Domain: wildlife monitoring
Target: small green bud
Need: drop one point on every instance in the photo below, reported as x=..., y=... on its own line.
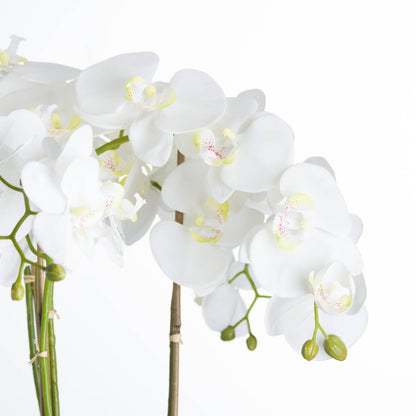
x=310, y=349
x=251, y=342
x=228, y=334
x=55, y=272
x=335, y=348
x=18, y=291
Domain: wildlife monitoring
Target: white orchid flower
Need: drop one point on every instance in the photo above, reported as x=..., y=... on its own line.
x=198, y=253
x=335, y=300
x=9, y=57
x=118, y=94
x=72, y=201
x=246, y=149
x=16, y=74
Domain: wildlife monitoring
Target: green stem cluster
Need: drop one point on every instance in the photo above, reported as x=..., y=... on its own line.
x=12, y=237
x=257, y=296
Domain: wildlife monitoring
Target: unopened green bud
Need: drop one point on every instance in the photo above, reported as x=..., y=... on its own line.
x=55, y=272
x=335, y=347
x=251, y=342
x=310, y=349
x=18, y=291
x=228, y=334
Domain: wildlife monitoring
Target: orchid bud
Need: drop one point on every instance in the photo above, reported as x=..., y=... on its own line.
x=310, y=349
x=228, y=334
x=335, y=347
x=251, y=342
x=18, y=291
x=55, y=272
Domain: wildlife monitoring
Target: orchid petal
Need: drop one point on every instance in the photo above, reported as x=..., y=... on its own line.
x=42, y=188
x=149, y=143
x=46, y=72
x=285, y=314
x=183, y=260
x=80, y=183
x=264, y=151
x=360, y=294
x=257, y=95
x=184, y=188
x=79, y=145
x=101, y=88
x=53, y=233
x=199, y=102
x=329, y=209
x=219, y=308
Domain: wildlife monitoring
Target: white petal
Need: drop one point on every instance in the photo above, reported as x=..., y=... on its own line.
x=134, y=231
x=199, y=102
x=46, y=72
x=286, y=273
x=265, y=149
x=12, y=208
x=41, y=187
x=185, y=144
x=183, y=260
x=218, y=190
x=79, y=145
x=243, y=254
x=9, y=265
x=320, y=161
x=101, y=87
x=356, y=228
x=184, y=189
x=360, y=294
x=238, y=225
x=80, y=184
x=285, y=314
x=149, y=143
x=329, y=209
x=53, y=233
x=256, y=95
x=219, y=307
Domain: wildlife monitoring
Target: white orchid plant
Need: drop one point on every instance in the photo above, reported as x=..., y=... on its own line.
x=93, y=157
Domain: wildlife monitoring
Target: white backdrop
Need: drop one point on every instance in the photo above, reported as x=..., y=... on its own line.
x=343, y=75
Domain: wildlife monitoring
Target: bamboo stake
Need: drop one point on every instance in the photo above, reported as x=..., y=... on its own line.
x=175, y=331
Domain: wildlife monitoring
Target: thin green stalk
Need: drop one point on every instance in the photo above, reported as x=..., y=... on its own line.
x=53, y=363
x=113, y=145
x=256, y=296
x=9, y=185
x=32, y=336
x=47, y=295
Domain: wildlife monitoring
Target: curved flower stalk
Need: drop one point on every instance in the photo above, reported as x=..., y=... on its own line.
x=198, y=253
x=246, y=149
x=73, y=202
x=118, y=94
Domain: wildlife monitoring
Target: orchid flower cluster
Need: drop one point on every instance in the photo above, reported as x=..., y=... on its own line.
x=89, y=158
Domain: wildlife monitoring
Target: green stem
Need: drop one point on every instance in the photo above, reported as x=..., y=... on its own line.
x=113, y=145
x=9, y=185
x=32, y=336
x=156, y=185
x=317, y=324
x=36, y=252
x=256, y=296
x=47, y=295
x=53, y=363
